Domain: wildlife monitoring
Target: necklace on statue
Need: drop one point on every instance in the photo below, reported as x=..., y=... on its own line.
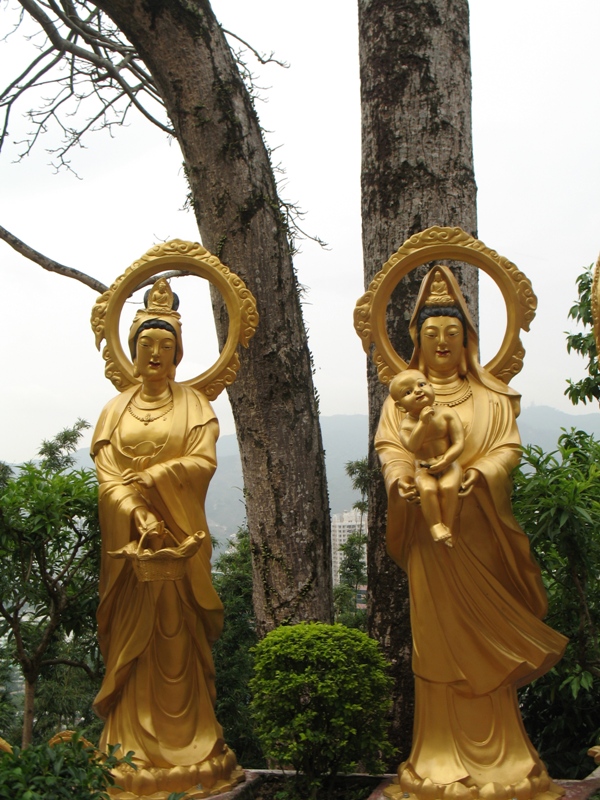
x=148, y=418
x=147, y=406
x=464, y=391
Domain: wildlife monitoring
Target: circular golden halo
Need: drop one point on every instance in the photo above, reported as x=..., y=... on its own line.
x=435, y=244
x=195, y=259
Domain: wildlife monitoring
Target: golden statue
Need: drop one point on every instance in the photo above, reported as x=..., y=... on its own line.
x=154, y=449
x=476, y=608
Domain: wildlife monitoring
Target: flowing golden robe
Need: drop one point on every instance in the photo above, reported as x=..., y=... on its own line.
x=158, y=694
x=476, y=613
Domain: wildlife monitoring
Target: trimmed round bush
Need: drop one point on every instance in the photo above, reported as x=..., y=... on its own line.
x=321, y=694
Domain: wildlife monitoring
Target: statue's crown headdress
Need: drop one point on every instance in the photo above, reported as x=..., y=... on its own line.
x=160, y=299
x=439, y=294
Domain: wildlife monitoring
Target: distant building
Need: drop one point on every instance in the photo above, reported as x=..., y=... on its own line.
x=342, y=525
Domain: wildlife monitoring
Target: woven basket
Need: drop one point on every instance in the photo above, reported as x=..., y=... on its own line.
x=167, y=564
x=151, y=568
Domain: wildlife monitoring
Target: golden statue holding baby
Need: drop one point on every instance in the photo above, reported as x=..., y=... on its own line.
x=448, y=442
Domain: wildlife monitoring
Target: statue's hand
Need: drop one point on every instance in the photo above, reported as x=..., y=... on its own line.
x=437, y=465
x=470, y=478
x=143, y=478
x=407, y=489
x=150, y=527
x=426, y=414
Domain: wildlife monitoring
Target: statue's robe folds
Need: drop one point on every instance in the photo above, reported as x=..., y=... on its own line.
x=158, y=693
x=476, y=611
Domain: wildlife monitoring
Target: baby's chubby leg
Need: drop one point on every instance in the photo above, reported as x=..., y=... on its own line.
x=449, y=485
x=428, y=486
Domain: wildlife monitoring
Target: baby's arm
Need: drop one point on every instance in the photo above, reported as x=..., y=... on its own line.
x=412, y=434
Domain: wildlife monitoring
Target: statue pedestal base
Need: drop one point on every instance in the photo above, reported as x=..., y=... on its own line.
x=406, y=787
x=199, y=781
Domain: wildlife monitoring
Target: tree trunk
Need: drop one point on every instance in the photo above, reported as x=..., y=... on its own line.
x=240, y=220
x=417, y=171
x=28, y=709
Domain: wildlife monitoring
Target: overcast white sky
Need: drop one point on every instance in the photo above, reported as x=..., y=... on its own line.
x=536, y=115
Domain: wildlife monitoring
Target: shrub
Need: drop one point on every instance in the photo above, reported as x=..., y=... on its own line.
x=557, y=502
x=320, y=698
x=62, y=772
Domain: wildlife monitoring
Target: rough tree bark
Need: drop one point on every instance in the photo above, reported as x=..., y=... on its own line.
x=417, y=171
x=240, y=220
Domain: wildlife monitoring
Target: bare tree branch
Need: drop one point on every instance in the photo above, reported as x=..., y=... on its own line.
x=92, y=35
x=262, y=59
x=69, y=272
x=103, y=72
x=63, y=45
x=90, y=64
x=49, y=264
x=18, y=90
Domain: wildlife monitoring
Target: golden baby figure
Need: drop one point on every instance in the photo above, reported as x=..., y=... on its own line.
x=435, y=435
x=477, y=608
x=155, y=452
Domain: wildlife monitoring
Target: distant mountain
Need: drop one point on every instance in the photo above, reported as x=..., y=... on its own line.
x=542, y=425
x=345, y=438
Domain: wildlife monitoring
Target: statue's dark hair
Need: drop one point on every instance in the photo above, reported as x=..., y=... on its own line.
x=440, y=311
x=154, y=323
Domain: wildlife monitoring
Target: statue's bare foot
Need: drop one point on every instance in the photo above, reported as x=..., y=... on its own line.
x=441, y=533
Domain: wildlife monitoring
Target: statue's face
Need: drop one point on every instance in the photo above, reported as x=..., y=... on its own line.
x=442, y=343
x=155, y=353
